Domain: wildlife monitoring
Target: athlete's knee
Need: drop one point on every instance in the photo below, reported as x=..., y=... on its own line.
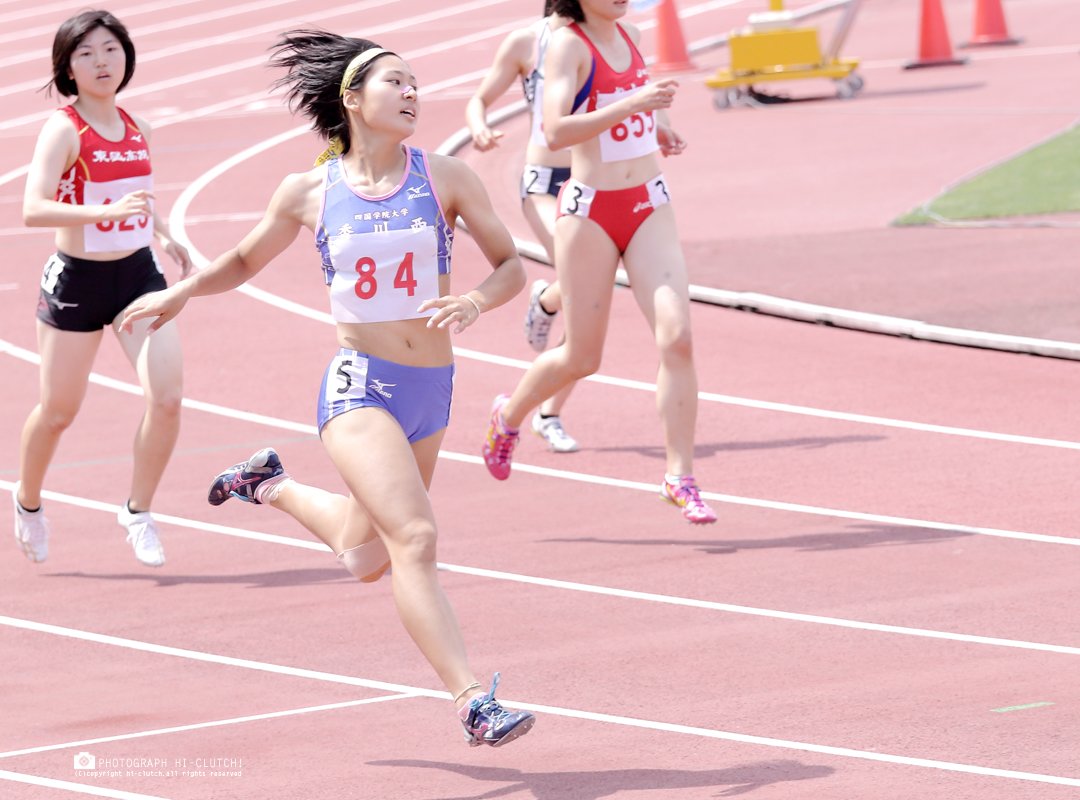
x=582, y=363
x=414, y=542
x=166, y=403
x=57, y=417
x=676, y=344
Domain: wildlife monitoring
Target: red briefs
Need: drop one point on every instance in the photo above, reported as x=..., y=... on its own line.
x=619, y=212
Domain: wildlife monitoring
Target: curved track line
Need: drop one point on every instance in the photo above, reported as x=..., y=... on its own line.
x=798, y=310
x=177, y=223
x=602, y=480
x=582, y=477
x=590, y=716
x=589, y=588
x=256, y=61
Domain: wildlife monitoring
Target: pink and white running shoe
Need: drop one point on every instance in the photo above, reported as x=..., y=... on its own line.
x=498, y=448
x=686, y=495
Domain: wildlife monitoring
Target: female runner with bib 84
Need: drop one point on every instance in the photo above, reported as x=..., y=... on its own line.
x=599, y=102
x=90, y=179
x=383, y=216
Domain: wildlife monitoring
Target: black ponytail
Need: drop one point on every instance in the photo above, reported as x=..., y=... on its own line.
x=315, y=62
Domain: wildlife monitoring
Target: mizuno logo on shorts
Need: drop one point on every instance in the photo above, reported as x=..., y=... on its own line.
x=380, y=387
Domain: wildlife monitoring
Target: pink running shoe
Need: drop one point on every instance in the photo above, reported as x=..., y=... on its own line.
x=685, y=495
x=498, y=449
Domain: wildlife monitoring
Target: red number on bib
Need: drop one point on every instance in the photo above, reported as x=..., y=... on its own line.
x=404, y=278
x=108, y=225
x=620, y=132
x=366, y=285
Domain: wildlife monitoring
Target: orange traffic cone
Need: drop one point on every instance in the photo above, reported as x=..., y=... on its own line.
x=935, y=49
x=670, y=45
x=990, y=25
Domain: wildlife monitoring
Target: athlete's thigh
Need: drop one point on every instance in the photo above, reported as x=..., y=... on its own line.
x=656, y=267
x=156, y=356
x=66, y=360
x=540, y=211
x=426, y=452
x=585, y=263
x=378, y=465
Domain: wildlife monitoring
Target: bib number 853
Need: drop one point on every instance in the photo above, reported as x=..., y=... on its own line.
x=638, y=124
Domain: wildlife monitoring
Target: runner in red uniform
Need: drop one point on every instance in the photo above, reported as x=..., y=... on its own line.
x=616, y=206
x=91, y=180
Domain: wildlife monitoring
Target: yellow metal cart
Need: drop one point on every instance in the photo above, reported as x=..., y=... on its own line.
x=774, y=46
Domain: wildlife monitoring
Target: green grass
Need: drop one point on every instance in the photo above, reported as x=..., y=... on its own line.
x=1043, y=180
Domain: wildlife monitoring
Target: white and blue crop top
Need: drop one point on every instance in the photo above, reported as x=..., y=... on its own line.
x=382, y=256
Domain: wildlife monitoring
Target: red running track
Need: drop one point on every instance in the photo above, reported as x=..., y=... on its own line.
x=884, y=610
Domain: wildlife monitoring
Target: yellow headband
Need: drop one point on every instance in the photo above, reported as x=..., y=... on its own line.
x=356, y=63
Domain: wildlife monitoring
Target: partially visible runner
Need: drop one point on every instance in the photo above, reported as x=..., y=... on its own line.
x=599, y=102
x=90, y=178
x=521, y=56
x=383, y=217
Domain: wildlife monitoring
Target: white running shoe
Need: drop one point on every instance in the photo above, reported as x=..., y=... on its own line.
x=142, y=536
x=552, y=432
x=537, y=321
x=31, y=530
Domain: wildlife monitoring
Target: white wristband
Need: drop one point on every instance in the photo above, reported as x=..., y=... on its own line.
x=475, y=305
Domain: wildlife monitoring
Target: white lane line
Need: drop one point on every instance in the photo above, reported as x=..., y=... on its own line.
x=582, y=477
x=232, y=68
x=589, y=588
x=218, y=723
x=262, y=95
x=138, y=32
x=211, y=658
x=178, y=225
x=77, y=788
x=590, y=716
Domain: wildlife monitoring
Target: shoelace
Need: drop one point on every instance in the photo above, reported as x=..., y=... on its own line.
x=688, y=493
x=489, y=706
x=503, y=445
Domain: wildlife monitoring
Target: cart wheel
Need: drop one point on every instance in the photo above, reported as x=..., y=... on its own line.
x=720, y=99
x=856, y=81
x=844, y=89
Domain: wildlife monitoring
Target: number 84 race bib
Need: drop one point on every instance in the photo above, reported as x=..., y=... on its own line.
x=383, y=276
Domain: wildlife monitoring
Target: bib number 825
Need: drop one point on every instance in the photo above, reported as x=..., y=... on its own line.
x=125, y=224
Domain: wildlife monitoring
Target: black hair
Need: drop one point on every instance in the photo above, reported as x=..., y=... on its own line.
x=316, y=61
x=568, y=8
x=70, y=35
x=547, y=7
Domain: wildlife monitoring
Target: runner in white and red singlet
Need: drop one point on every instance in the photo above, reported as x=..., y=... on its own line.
x=616, y=205
x=91, y=180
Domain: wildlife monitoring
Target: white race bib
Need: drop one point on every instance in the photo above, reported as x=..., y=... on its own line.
x=383, y=276
x=633, y=137
x=132, y=233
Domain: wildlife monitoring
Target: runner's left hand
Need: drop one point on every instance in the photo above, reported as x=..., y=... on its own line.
x=451, y=308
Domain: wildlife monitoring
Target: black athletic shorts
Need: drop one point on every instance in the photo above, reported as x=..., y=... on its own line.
x=81, y=295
